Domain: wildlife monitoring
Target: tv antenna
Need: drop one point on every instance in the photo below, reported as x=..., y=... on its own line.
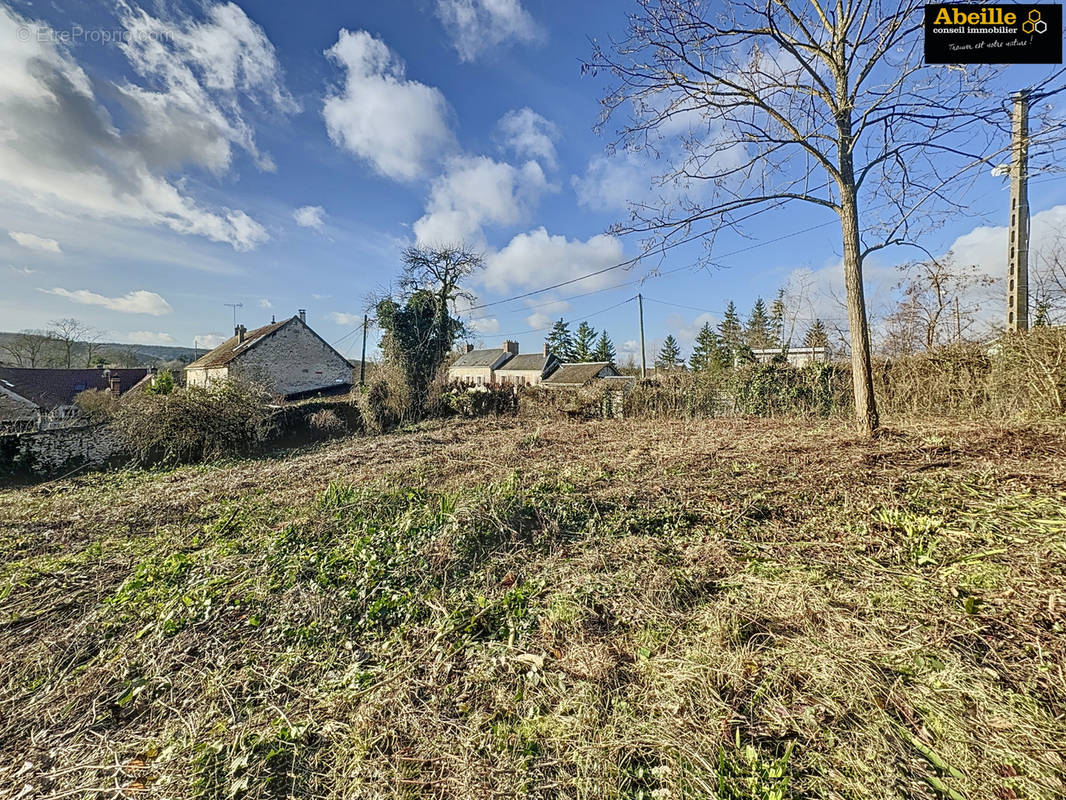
x=234, y=306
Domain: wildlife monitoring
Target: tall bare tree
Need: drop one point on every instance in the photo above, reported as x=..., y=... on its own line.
x=817, y=102
x=1047, y=281
x=69, y=334
x=29, y=348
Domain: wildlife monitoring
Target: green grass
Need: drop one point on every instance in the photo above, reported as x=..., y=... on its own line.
x=540, y=635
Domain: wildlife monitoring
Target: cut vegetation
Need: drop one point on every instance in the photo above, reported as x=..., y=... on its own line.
x=476, y=609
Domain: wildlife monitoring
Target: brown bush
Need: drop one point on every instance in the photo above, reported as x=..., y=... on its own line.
x=328, y=423
x=193, y=424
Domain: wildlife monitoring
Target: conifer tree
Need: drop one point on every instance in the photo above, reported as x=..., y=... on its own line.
x=670, y=355
x=585, y=343
x=816, y=335
x=708, y=353
x=560, y=342
x=604, y=349
x=757, y=333
x=730, y=330
x=777, y=320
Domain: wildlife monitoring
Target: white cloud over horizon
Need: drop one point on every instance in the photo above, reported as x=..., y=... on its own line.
x=474, y=191
x=476, y=27
x=537, y=258
x=149, y=337
x=33, y=242
x=344, y=318
x=398, y=126
x=136, y=302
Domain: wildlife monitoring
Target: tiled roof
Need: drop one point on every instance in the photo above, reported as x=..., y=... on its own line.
x=533, y=362
x=52, y=388
x=231, y=348
x=481, y=358
x=578, y=374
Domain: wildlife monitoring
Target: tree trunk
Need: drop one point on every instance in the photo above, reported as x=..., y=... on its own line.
x=859, y=331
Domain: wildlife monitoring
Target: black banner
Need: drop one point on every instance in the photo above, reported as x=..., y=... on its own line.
x=993, y=34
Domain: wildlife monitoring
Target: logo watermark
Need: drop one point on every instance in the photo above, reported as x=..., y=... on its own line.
x=76, y=34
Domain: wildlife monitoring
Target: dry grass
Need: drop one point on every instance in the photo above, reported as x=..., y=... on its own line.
x=485, y=608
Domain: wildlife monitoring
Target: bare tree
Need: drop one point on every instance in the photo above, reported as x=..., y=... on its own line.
x=441, y=270
x=823, y=103
x=69, y=334
x=937, y=305
x=29, y=348
x=1047, y=282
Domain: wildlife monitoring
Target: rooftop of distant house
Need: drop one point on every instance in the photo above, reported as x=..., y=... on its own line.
x=53, y=388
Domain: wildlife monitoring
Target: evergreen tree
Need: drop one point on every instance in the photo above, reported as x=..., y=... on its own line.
x=708, y=353
x=730, y=330
x=757, y=333
x=817, y=336
x=777, y=320
x=604, y=349
x=585, y=343
x=670, y=355
x=1042, y=318
x=560, y=342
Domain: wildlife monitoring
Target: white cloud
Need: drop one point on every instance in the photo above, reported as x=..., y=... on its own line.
x=396, y=125
x=477, y=26
x=484, y=325
x=539, y=320
x=148, y=337
x=529, y=135
x=475, y=191
x=21, y=270
x=321, y=296
x=309, y=217
x=264, y=303
x=138, y=302
x=610, y=183
x=33, y=242
x=61, y=149
x=536, y=258
x=342, y=318
x=209, y=341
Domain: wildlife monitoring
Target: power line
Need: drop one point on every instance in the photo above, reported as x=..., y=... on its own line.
x=572, y=319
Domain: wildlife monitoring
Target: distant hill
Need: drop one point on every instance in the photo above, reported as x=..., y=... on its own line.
x=117, y=353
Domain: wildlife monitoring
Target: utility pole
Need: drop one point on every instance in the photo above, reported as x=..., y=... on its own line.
x=362, y=362
x=234, y=306
x=643, y=360
x=1018, y=248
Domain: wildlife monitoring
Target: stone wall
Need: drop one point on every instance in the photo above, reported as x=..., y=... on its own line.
x=57, y=450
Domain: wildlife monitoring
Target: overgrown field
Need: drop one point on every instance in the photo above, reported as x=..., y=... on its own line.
x=608, y=609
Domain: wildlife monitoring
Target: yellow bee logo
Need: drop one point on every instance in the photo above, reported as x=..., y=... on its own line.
x=1034, y=24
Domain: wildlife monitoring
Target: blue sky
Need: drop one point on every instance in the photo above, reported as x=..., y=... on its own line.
x=159, y=161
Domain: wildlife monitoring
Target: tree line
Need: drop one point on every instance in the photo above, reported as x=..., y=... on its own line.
x=65, y=343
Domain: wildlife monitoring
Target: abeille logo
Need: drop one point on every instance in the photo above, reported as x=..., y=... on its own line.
x=992, y=15
x=1034, y=24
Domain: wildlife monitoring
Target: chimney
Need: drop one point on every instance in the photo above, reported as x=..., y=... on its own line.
x=272, y=319
x=510, y=347
x=469, y=348
x=547, y=352
x=116, y=385
x=303, y=315
x=240, y=330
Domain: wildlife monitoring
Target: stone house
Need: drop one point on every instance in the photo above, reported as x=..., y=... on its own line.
x=287, y=358
x=29, y=395
x=574, y=376
x=528, y=369
x=478, y=367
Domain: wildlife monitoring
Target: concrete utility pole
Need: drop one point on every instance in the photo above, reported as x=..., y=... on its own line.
x=643, y=360
x=362, y=363
x=1018, y=247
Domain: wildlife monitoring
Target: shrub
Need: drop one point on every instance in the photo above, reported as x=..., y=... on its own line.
x=327, y=422
x=380, y=406
x=96, y=404
x=193, y=424
x=162, y=383
x=478, y=401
